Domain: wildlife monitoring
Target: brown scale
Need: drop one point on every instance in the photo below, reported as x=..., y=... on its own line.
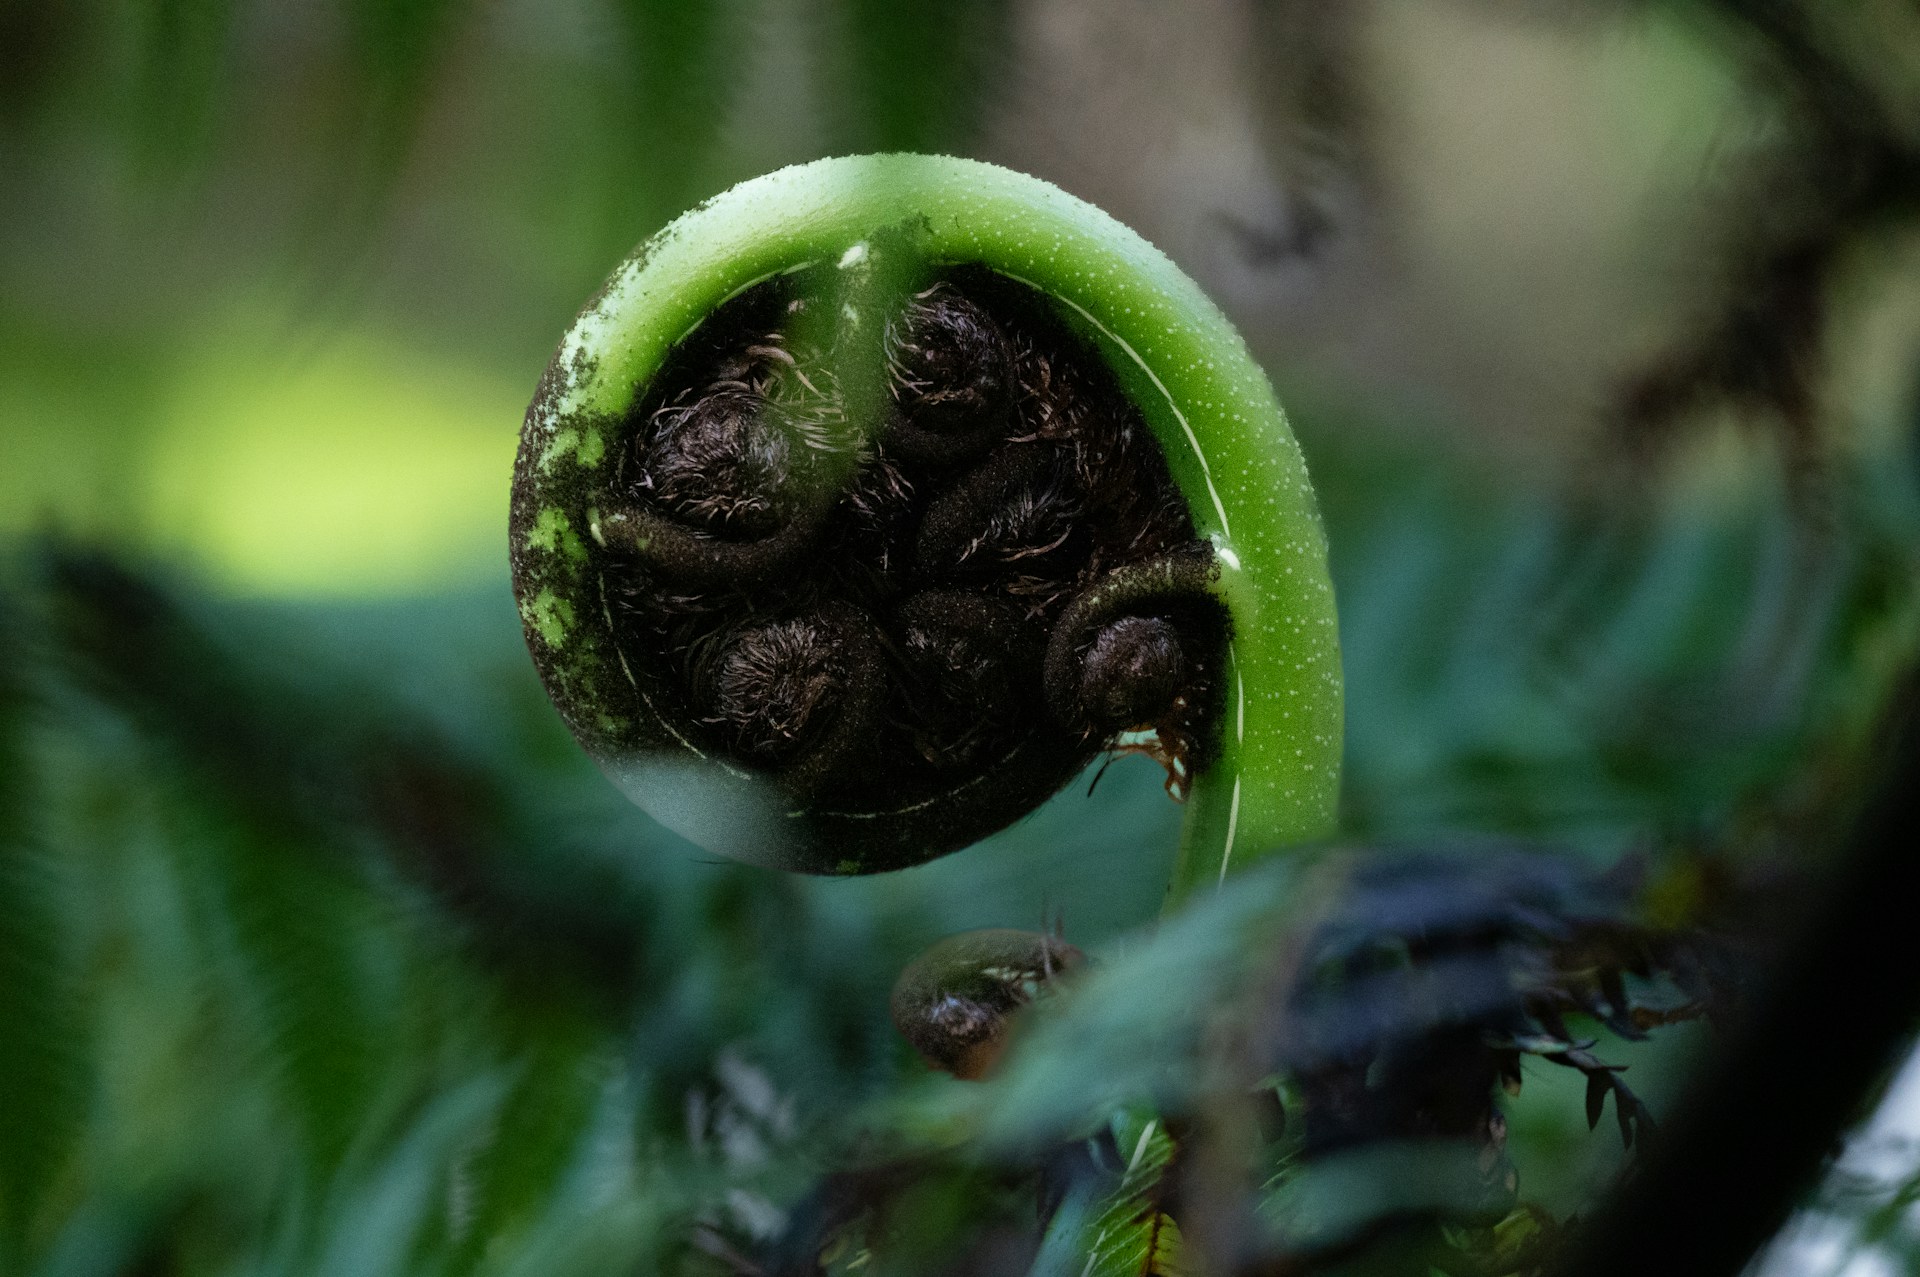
x=864, y=619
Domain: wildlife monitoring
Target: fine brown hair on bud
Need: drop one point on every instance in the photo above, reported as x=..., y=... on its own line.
x=721, y=463
x=1138, y=652
x=769, y=686
x=951, y=374
x=802, y=696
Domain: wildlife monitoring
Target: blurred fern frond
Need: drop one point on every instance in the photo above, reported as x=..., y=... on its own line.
x=44, y=1040
x=1126, y=1231
x=304, y=873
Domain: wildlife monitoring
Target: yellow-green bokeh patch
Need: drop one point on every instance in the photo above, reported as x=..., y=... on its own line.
x=366, y=468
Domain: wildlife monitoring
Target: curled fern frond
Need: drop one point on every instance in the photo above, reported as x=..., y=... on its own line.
x=873, y=499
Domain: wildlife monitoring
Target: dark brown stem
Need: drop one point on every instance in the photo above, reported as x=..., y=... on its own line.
x=687, y=557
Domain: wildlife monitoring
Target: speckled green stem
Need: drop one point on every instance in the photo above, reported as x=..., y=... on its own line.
x=1275, y=780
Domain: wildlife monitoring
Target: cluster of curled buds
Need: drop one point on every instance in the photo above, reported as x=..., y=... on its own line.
x=871, y=501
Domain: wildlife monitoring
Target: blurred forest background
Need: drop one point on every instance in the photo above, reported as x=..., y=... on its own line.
x=322, y=947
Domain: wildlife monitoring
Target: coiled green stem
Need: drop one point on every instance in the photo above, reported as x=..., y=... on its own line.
x=883, y=244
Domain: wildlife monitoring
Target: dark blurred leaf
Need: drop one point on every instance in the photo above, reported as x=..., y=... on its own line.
x=1627, y=1110
x=1598, y=1085
x=1332, y=1202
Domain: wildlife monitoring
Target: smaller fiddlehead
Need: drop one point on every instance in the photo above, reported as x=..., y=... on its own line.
x=1134, y=656
x=955, y=1002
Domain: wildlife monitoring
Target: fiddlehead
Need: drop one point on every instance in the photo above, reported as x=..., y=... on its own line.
x=872, y=500
x=956, y=1001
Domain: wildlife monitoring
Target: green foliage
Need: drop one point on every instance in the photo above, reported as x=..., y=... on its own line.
x=330, y=942
x=326, y=950
x=1125, y=1232
x=1704, y=658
